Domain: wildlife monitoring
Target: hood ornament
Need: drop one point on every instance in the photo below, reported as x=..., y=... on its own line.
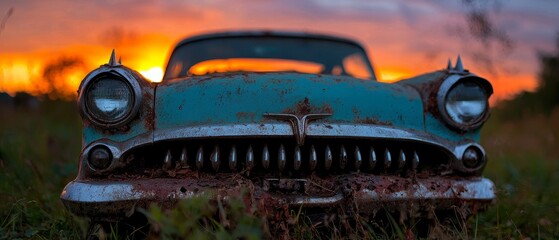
x=298, y=123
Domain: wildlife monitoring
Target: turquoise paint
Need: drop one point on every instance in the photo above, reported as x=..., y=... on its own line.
x=244, y=98
x=438, y=128
x=91, y=134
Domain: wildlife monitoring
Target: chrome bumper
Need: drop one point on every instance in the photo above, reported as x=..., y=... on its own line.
x=106, y=199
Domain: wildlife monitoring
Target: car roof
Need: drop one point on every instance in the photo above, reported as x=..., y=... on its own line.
x=267, y=33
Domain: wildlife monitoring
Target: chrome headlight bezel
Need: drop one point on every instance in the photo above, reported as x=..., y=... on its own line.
x=445, y=89
x=117, y=74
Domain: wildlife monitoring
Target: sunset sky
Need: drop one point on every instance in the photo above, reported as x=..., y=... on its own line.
x=403, y=38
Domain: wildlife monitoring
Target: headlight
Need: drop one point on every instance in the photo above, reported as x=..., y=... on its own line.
x=110, y=99
x=466, y=103
x=463, y=102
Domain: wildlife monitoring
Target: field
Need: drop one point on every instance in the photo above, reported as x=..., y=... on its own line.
x=40, y=143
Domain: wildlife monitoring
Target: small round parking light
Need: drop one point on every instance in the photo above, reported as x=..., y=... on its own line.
x=100, y=158
x=472, y=158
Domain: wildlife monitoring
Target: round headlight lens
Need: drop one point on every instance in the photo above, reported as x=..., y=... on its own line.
x=466, y=103
x=109, y=99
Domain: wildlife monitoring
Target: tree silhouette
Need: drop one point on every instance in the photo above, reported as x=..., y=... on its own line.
x=54, y=76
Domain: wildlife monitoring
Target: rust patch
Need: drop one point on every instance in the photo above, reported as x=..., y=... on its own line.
x=431, y=99
x=149, y=121
x=304, y=107
x=367, y=120
x=428, y=92
x=373, y=120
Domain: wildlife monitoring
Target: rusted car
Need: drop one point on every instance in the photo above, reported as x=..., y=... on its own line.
x=299, y=118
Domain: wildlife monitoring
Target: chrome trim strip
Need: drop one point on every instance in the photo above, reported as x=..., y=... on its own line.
x=317, y=130
x=228, y=130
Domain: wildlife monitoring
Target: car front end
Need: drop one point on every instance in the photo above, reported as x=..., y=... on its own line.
x=289, y=138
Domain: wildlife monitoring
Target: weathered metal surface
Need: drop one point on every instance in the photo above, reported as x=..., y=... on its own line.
x=321, y=192
x=246, y=98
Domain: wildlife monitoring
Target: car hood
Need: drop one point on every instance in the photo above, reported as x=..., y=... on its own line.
x=244, y=98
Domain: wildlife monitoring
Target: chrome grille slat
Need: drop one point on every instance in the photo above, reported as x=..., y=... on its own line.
x=387, y=159
x=200, y=158
x=214, y=158
x=372, y=159
x=327, y=158
x=233, y=158
x=313, y=160
x=358, y=158
x=343, y=157
x=249, y=160
x=282, y=158
x=297, y=159
x=265, y=157
x=183, y=161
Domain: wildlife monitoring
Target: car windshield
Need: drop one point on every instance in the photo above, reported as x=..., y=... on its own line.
x=268, y=54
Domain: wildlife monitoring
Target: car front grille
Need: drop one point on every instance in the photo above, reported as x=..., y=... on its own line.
x=274, y=157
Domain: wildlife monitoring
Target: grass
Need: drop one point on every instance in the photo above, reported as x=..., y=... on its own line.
x=38, y=150
x=39, y=147
x=524, y=164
